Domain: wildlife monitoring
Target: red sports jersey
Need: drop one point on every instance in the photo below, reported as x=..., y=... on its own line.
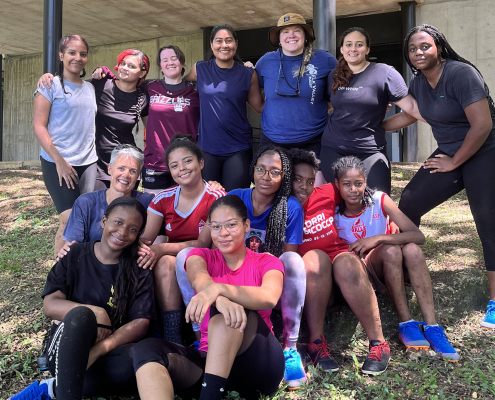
x=320, y=231
x=181, y=227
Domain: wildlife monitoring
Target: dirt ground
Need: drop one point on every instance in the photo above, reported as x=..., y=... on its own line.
x=28, y=223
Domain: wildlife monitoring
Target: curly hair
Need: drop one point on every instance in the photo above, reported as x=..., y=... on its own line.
x=301, y=156
x=348, y=163
x=447, y=53
x=343, y=73
x=277, y=218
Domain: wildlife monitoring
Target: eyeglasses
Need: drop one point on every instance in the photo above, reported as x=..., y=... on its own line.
x=278, y=87
x=274, y=173
x=230, y=226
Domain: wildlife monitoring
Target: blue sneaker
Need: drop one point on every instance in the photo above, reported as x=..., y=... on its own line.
x=35, y=391
x=489, y=320
x=412, y=336
x=194, y=345
x=294, y=373
x=440, y=344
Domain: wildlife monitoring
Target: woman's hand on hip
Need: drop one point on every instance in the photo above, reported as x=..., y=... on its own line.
x=439, y=163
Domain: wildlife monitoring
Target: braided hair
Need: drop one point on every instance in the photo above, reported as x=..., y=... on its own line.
x=223, y=27
x=343, y=74
x=277, y=218
x=128, y=275
x=62, y=46
x=447, y=53
x=144, y=65
x=348, y=163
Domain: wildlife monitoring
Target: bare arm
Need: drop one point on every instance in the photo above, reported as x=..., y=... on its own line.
x=290, y=247
x=410, y=233
x=192, y=76
x=42, y=109
x=255, y=97
x=398, y=121
x=409, y=105
x=478, y=115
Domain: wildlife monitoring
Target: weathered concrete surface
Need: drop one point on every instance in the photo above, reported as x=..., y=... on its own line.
x=4, y=165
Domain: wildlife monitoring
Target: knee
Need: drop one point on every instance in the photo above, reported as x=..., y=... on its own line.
x=413, y=254
x=150, y=350
x=165, y=269
x=80, y=317
x=317, y=264
x=64, y=217
x=392, y=253
x=348, y=270
x=180, y=260
x=293, y=266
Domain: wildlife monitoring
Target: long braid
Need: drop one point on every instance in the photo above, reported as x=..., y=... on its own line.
x=141, y=99
x=60, y=75
x=348, y=163
x=308, y=53
x=62, y=46
x=447, y=53
x=277, y=218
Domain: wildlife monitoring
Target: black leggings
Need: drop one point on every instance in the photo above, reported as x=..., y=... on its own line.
x=377, y=165
x=425, y=191
x=258, y=367
x=231, y=171
x=68, y=352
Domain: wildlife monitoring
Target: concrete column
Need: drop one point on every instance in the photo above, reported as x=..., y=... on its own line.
x=410, y=151
x=206, y=41
x=52, y=33
x=324, y=23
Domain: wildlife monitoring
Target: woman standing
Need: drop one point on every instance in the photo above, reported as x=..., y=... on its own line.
x=359, y=92
x=104, y=302
x=64, y=125
x=454, y=99
x=225, y=134
x=238, y=350
x=294, y=80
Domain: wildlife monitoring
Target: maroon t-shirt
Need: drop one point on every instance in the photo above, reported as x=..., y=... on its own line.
x=173, y=109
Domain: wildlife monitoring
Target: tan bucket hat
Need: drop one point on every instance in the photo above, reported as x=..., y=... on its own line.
x=288, y=20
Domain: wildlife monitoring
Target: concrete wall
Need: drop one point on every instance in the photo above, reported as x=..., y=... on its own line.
x=22, y=73
x=469, y=26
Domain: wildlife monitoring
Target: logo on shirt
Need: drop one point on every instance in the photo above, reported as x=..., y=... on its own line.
x=350, y=88
x=168, y=227
x=376, y=216
x=312, y=73
x=317, y=224
x=177, y=103
x=359, y=229
x=201, y=225
x=110, y=301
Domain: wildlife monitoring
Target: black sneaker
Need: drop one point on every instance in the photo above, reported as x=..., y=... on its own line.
x=378, y=358
x=320, y=355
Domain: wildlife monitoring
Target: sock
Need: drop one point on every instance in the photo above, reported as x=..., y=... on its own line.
x=172, y=322
x=429, y=326
x=213, y=387
x=405, y=322
x=49, y=383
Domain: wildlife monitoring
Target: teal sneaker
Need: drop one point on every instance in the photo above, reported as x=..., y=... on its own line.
x=489, y=320
x=294, y=373
x=440, y=344
x=412, y=336
x=35, y=391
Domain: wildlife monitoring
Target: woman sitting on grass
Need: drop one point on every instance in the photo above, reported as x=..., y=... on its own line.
x=363, y=222
x=237, y=351
x=104, y=302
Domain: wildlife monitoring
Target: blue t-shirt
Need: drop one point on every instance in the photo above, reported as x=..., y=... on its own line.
x=294, y=119
x=223, y=125
x=84, y=224
x=255, y=238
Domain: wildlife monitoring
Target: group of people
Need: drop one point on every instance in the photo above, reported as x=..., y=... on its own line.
x=202, y=236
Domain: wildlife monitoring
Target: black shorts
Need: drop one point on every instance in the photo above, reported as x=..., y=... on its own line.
x=62, y=196
x=156, y=179
x=312, y=144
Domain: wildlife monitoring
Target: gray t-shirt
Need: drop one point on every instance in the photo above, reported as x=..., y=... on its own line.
x=355, y=125
x=443, y=107
x=71, y=124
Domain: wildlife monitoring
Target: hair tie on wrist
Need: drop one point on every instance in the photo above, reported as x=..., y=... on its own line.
x=104, y=326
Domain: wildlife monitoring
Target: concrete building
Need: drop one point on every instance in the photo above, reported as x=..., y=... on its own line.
x=113, y=26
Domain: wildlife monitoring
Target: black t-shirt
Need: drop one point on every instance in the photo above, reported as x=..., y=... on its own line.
x=355, y=124
x=115, y=119
x=443, y=107
x=83, y=279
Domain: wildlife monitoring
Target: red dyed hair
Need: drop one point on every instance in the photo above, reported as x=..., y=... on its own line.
x=144, y=62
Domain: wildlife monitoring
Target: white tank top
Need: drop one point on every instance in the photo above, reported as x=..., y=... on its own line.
x=370, y=222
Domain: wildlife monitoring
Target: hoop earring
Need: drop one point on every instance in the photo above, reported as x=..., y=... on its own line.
x=83, y=73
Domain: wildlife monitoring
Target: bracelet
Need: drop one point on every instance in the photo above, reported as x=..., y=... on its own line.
x=104, y=326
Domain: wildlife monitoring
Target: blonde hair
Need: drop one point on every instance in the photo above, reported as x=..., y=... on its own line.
x=308, y=53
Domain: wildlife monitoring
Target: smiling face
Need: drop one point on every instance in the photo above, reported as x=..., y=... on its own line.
x=75, y=57
x=224, y=45
x=423, y=52
x=354, y=49
x=264, y=182
x=129, y=69
x=229, y=239
x=304, y=182
x=292, y=40
x=185, y=167
x=124, y=174
x=351, y=186
x=121, y=228
x=170, y=64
